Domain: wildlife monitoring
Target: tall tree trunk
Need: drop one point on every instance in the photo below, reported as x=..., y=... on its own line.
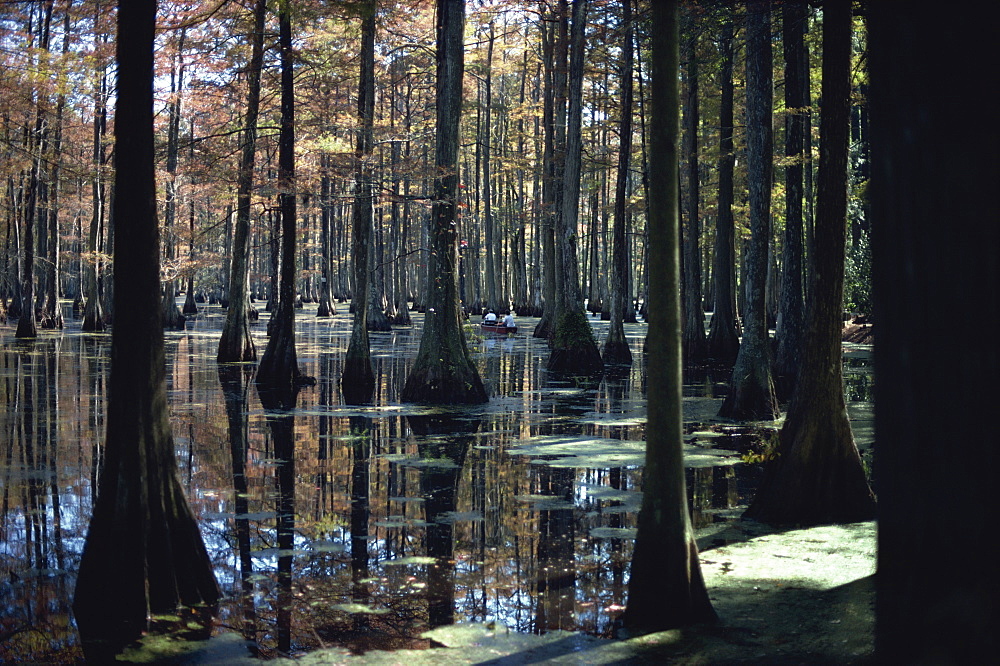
x=555, y=47
x=143, y=553
x=172, y=316
x=693, y=334
x=443, y=371
x=666, y=589
x=572, y=343
x=935, y=238
x=93, y=315
x=326, y=306
x=723, y=338
x=751, y=390
x=236, y=343
x=279, y=367
x=492, y=252
x=790, y=312
x=35, y=203
x=817, y=476
x=616, y=350
x=358, y=379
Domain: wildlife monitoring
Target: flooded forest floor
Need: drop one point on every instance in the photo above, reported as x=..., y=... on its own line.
x=395, y=533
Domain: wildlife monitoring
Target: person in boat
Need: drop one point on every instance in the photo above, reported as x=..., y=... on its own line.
x=490, y=318
x=508, y=321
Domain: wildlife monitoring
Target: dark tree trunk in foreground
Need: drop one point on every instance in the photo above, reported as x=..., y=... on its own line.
x=666, y=589
x=144, y=553
x=279, y=366
x=572, y=343
x=818, y=477
x=358, y=379
x=616, y=350
x=236, y=343
x=937, y=444
x=723, y=338
x=751, y=389
x=443, y=372
x=790, y=312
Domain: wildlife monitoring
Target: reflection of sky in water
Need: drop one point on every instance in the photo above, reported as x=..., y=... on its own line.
x=542, y=481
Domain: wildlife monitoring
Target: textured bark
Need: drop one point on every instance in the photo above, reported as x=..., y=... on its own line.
x=555, y=49
x=573, y=346
x=358, y=379
x=143, y=553
x=751, y=389
x=790, y=311
x=93, y=316
x=616, y=350
x=279, y=367
x=723, y=338
x=934, y=239
x=693, y=333
x=236, y=343
x=173, y=318
x=818, y=476
x=443, y=372
x=666, y=589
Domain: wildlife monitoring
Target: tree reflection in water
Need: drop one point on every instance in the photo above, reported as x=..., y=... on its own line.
x=337, y=525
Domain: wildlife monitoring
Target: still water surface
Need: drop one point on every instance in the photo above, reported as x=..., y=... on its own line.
x=360, y=527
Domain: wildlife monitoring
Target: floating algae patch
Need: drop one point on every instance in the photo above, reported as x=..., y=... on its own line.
x=414, y=560
x=613, y=533
x=544, y=503
x=492, y=643
x=357, y=608
x=601, y=453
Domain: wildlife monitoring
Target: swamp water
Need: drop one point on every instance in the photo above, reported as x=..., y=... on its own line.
x=361, y=528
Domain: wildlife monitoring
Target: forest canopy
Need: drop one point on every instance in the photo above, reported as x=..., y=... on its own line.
x=58, y=106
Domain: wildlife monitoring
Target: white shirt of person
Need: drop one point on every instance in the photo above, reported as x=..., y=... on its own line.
x=508, y=321
x=491, y=316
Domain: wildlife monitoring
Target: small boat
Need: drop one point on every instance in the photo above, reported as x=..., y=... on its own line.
x=497, y=328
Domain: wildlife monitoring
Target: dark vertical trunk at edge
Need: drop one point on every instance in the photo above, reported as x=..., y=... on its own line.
x=144, y=553
x=934, y=240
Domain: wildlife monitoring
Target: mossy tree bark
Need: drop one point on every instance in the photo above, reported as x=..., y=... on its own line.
x=279, y=366
x=616, y=350
x=818, y=477
x=573, y=347
x=751, y=390
x=723, y=338
x=443, y=372
x=358, y=378
x=236, y=343
x=143, y=553
x=666, y=589
x=934, y=240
